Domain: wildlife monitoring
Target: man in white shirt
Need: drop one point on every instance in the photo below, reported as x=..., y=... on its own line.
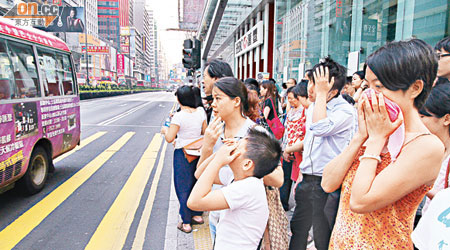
x=243, y=222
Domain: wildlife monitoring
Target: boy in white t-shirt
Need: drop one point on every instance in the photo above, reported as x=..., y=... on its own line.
x=244, y=201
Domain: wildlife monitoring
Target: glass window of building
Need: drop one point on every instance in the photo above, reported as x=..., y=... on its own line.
x=307, y=30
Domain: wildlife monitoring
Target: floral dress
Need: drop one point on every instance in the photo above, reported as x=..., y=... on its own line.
x=295, y=130
x=386, y=228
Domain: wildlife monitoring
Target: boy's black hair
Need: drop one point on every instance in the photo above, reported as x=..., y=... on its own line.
x=444, y=43
x=264, y=150
x=398, y=65
x=283, y=85
x=218, y=69
x=335, y=70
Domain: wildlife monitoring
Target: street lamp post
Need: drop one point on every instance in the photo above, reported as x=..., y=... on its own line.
x=86, y=45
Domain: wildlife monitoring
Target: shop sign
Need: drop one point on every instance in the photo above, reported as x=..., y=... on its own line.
x=96, y=49
x=125, y=31
x=251, y=39
x=120, y=64
x=369, y=30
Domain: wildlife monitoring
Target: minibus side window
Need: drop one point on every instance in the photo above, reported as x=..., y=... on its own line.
x=48, y=64
x=65, y=73
x=7, y=85
x=24, y=70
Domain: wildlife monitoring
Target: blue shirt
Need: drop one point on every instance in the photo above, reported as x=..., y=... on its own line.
x=327, y=138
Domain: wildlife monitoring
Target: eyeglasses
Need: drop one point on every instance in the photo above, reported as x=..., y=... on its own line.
x=442, y=55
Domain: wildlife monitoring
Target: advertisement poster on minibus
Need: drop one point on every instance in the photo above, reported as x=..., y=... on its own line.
x=22, y=124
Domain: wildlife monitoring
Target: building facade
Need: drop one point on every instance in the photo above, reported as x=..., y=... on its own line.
x=349, y=31
x=298, y=33
x=108, y=21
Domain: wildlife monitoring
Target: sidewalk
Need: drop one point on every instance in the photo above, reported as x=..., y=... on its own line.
x=199, y=239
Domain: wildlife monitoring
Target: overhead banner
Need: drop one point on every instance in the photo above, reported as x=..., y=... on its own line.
x=70, y=19
x=96, y=49
x=253, y=38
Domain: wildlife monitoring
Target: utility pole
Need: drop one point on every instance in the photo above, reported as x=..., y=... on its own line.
x=86, y=45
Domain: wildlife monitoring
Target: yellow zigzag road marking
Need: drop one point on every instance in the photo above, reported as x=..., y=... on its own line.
x=22, y=226
x=143, y=223
x=113, y=229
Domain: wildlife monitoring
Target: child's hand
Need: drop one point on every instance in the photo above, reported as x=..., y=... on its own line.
x=163, y=130
x=226, y=154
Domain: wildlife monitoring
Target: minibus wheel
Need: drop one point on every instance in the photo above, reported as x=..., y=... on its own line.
x=34, y=179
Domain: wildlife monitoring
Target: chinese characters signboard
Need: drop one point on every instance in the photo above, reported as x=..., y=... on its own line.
x=251, y=39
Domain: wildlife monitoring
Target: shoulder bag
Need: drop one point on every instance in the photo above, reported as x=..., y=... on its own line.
x=275, y=124
x=192, y=150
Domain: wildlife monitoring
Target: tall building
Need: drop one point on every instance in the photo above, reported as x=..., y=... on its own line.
x=108, y=21
x=124, y=13
x=131, y=12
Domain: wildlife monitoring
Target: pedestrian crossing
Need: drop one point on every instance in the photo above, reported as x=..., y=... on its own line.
x=113, y=229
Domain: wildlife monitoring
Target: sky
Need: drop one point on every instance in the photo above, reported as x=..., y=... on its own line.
x=166, y=15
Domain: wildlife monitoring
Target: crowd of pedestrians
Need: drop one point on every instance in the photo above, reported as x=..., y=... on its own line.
x=365, y=157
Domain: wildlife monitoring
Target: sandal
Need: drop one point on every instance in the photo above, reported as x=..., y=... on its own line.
x=182, y=229
x=197, y=222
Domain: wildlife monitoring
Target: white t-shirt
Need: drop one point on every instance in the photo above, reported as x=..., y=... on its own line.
x=433, y=230
x=439, y=183
x=190, y=126
x=242, y=226
x=243, y=132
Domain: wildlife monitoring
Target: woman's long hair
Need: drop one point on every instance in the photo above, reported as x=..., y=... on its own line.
x=271, y=92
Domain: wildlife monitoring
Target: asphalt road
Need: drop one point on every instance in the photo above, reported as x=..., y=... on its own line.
x=101, y=195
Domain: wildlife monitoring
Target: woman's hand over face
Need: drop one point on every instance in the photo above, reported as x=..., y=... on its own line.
x=378, y=123
x=213, y=132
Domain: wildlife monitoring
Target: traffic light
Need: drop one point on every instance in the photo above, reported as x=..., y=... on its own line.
x=187, y=53
x=192, y=54
x=196, y=54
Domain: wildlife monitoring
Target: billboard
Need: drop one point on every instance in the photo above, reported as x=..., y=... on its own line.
x=70, y=19
x=124, y=44
x=125, y=31
x=96, y=49
x=192, y=14
x=120, y=64
x=113, y=56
